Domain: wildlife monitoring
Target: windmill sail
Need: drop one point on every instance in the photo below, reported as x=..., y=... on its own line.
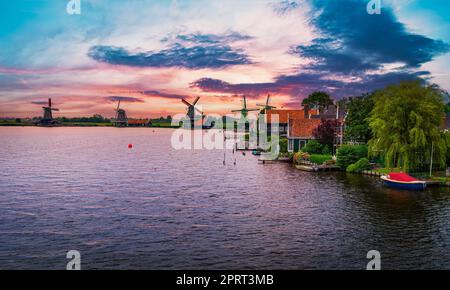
x=266, y=106
x=191, y=109
x=244, y=111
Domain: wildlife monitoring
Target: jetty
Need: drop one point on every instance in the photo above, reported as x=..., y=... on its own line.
x=317, y=168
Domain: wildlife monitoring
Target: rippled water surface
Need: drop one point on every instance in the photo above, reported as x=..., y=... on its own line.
x=153, y=207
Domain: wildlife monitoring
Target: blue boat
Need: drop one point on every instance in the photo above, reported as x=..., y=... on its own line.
x=256, y=152
x=403, y=181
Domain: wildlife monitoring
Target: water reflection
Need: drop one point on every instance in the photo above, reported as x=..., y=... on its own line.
x=154, y=207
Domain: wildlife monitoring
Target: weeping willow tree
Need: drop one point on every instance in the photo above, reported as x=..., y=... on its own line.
x=406, y=121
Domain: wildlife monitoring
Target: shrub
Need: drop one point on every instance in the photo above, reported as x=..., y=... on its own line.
x=301, y=156
x=349, y=154
x=319, y=158
x=286, y=155
x=361, y=165
x=283, y=145
x=289, y=155
x=313, y=147
x=297, y=157
x=326, y=150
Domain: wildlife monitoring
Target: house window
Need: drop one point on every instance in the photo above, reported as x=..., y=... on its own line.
x=291, y=145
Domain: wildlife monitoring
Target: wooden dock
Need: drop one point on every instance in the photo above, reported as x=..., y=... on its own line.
x=316, y=168
x=372, y=173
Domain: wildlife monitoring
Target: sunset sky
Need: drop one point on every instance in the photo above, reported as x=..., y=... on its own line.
x=152, y=53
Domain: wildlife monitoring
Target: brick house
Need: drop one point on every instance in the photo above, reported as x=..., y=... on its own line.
x=300, y=131
x=285, y=115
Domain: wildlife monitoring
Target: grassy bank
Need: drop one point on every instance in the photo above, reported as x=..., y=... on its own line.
x=20, y=123
x=85, y=124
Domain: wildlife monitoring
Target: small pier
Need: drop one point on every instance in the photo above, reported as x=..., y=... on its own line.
x=316, y=168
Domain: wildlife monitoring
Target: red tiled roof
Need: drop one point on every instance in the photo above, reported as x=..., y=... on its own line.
x=303, y=128
x=283, y=115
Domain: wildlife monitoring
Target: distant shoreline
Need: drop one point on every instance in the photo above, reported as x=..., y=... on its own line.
x=82, y=125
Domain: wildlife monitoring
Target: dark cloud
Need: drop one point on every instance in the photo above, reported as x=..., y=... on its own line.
x=373, y=82
x=200, y=38
x=303, y=84
x=195, y=57
x=123, y=99
x=352, y=45
x=331, y=57
x=249, y=89
x=161, y=94
x=41, y=103
x=354, y=42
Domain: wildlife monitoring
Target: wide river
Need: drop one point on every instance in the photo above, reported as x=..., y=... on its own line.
x=153, y=207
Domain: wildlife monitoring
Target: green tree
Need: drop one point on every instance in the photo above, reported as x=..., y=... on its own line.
x=360, y=165
x=317, y=100
x=349, y=154
x=406, y=123
x=447, y=109
x=313, y=147
x=446, y=136
x=283, y=145
x=97, y=119
x=357, y=121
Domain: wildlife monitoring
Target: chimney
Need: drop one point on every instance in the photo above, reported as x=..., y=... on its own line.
x=306, y=111
x=337, y=111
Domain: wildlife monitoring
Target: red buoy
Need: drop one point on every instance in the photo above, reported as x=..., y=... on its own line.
x=130, y=146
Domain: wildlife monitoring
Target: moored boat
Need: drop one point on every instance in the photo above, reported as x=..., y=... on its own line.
x=256, y=152
x=403, y=181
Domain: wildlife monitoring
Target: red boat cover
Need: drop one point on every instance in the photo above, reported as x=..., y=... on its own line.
x=399, y=176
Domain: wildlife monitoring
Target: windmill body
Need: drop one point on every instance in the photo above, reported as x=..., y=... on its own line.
x=121, y=119
x=191, y=112
x=244, y=118
x=244, y=111
x=266, y=106
x=47, y=119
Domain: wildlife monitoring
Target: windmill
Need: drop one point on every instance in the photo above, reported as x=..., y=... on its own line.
x=121, y=119
x=244, y=111
x=261, y=128
x=266, y=106
x=191, y=111
x=48, y=115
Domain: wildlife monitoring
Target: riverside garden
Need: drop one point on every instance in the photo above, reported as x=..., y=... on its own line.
x=401, y=128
